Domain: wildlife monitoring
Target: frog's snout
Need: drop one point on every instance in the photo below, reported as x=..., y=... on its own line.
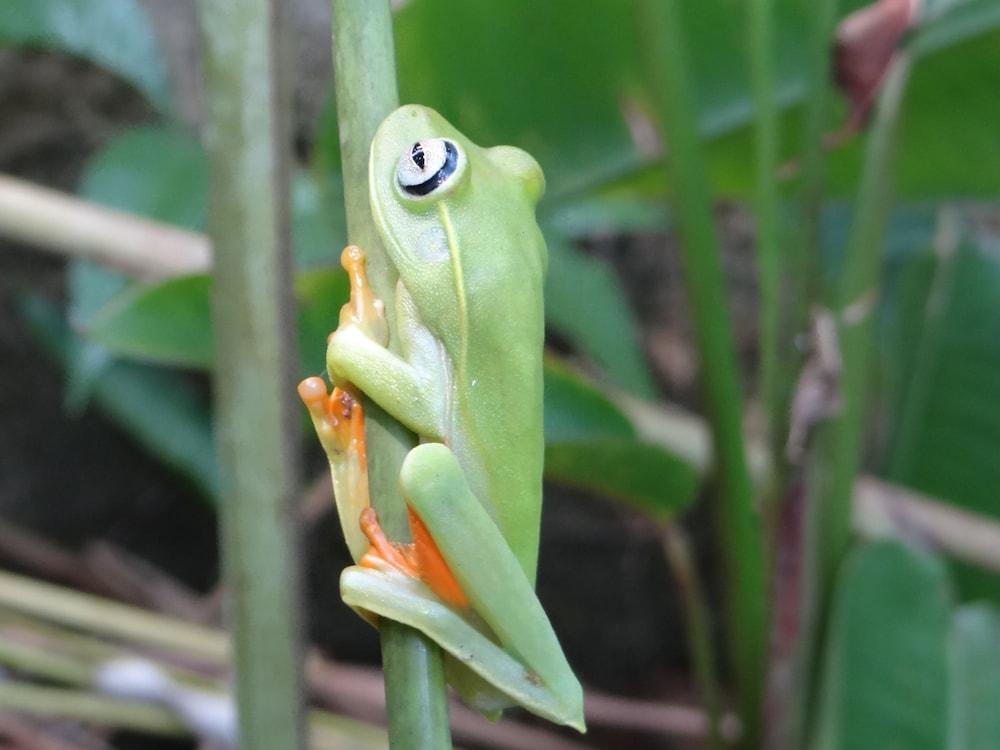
x=522, y=165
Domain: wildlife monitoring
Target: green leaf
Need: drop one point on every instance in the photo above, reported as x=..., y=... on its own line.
x=171, y=322
x=320, y=294
x=640, y=474
x=155, y=172
x=584, y=302
x=591, y=445
x=160, y=409
x=942, y=335
x=576, y=410
x=884, y=682
x=974, y=677
x=472, y=60
x=947, y=145
x=115, y=34
x=319, y=228
x=946, y=23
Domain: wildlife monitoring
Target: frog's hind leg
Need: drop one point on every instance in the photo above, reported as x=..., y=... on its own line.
x=420, y=559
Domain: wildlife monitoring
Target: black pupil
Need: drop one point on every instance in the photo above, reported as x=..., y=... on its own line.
x=417, y=154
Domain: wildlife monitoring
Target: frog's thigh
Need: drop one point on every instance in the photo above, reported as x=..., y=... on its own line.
x=484, y=566
x=470, y=542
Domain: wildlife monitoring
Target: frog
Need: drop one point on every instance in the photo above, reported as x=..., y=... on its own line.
x=459, y=362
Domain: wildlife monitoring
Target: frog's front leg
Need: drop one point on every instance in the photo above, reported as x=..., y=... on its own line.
x=357, y=354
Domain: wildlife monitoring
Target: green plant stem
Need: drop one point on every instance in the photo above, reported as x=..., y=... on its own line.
x=738, y=526
x=699, y=627
x=804, y=271
x=801, y=276
x=247, y=138
x=835, y=458
x=364, y=60
x=838, y=450
x=761, y=47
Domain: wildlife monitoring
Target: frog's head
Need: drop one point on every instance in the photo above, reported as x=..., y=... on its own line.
x=452, y=213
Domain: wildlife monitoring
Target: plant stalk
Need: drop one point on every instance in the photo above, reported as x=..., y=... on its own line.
x=365, y=80
x=247, y=139
x=834, y=461
x=738, y=527
x=789, y=701
x=769, y=259
x=838, y=454
x=677, y=550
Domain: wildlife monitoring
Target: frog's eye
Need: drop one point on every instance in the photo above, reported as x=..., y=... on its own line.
x=427, y=165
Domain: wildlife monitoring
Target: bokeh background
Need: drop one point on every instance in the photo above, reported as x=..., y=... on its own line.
x=108, y=480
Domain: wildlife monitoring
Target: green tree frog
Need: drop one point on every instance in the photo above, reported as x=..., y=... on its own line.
x=465, y=374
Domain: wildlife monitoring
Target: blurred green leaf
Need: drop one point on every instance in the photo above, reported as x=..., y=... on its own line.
x=155, y=172
x=320, y=294
x=885, y=683
x=640, y=474
x=604, y=214
x=974, y=677
x=493, y=70
x=947, y=143
x=115, y=34
x=591, y=445
x=171, y=322
x=584, y=301
x=945, y=23
x=160, y=409
x=319, y=227
x=576, y=410
x=943, y=342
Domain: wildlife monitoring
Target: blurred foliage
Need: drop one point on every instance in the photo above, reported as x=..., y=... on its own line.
x=115, y=34
x=885, y=673
x=904, y=668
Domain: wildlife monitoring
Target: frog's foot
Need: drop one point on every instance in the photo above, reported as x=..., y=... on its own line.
x=421, y=559
x=383, y=554
x=363, y=310
x=338, y=418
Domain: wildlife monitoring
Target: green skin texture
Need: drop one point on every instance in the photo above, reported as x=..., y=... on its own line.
x=468, y=380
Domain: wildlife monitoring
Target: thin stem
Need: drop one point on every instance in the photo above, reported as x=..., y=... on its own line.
x=84, y=706
x=801, y=277
x=110, y=619
x=699, y=627
x=835, y=459
x=761, y=45
x=247, y=139
x=803, y=272
x=364, y=60
x=738, y=526
x=838, y=454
